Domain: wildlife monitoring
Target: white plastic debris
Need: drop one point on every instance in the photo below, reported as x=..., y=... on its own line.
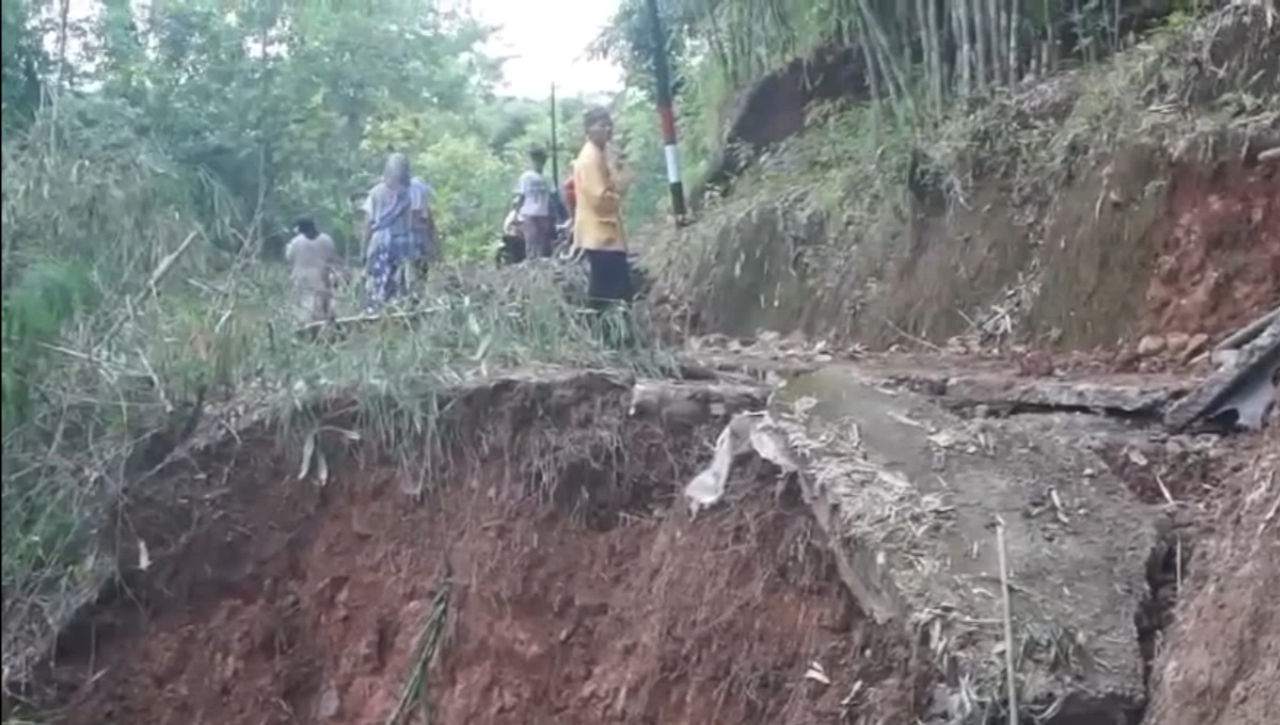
x=770, y=441
x=708, y=486
x=817, y=673
x=745, y=431
x=144, y=556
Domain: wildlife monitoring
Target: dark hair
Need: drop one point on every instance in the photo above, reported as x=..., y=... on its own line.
x=537, y=155
x=306, y=228
x=595, y=115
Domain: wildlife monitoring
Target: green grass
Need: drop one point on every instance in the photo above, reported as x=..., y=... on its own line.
x=468, y=324
x=96, y=356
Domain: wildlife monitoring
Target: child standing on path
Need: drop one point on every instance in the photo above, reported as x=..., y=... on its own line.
x=311, y=256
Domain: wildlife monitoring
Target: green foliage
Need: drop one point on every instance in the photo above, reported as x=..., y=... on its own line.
x=142, y=205
x=22, y=59
x=45, y=296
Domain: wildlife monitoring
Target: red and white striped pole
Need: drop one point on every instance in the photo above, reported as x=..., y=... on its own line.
x=666, y=112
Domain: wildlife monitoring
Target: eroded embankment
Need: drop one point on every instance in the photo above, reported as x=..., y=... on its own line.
x=1185, y=248
x=579, y=593
x=1220, y=661
x=1093, y=208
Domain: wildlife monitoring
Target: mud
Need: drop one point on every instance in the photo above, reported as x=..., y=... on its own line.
x=579, y=594
x=1220, y=661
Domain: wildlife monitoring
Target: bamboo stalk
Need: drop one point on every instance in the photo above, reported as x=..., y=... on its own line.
x=965, y=45
x=1011, y=671
x=921, y=31
x=975, y=16
x=935, y=53
x=873, y=78
x=1050, y=55
x=992, y=30
x=1014, y=62
x=894, y=77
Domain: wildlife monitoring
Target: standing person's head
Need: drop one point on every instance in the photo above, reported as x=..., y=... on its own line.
x=598, y=124
x=537, y=158
x=306, y=228
x=396, y=173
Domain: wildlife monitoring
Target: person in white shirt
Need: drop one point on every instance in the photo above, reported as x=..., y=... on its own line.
x=311, y=257
x=533, y=207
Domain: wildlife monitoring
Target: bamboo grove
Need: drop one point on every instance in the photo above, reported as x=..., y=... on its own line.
x=917, y=52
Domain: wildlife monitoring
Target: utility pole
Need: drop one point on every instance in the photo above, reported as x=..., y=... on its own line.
x=662, y=79
x=560, y=211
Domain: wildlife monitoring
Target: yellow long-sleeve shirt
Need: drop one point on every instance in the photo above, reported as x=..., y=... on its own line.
x=597, y=222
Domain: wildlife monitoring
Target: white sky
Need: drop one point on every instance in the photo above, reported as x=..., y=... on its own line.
x=543, y=42
x=546, y=42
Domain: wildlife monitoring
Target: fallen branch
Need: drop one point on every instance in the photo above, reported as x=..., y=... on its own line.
x=917, y=340
x=167, y=263
x=356, y=320
x=429, y=643
x=1246, y=334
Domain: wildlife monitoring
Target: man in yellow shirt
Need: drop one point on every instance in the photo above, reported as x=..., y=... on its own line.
x=597, y=223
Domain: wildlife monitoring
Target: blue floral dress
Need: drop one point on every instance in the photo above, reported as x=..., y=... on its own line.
x=390, y=244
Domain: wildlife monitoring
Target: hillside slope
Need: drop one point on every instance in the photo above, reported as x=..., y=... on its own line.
x=1095, y=207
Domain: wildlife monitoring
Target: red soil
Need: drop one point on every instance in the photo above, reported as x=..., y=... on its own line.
x=295, y=604
x=1221, y=661
x=1218, y=259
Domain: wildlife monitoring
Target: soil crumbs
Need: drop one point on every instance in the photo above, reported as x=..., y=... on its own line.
x=300, y=604
x=1218, y=263
x=1220, y=663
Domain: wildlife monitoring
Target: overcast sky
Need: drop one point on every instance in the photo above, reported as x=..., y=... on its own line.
x=546, y=42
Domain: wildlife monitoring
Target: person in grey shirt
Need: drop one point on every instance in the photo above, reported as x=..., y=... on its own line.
x=533, y=207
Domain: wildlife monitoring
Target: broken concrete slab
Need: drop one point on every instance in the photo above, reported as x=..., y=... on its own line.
x=1136, y=397
x=1245, y=385
x=694, y=403
x=1249, y=332
x=1004, y=392
x=909, y=495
